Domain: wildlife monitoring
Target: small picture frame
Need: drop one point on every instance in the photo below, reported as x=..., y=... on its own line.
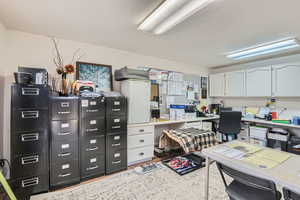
x=99, y=74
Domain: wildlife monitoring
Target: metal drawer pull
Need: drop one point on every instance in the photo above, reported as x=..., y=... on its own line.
x=68, y=133
x=65, y=104
x=115, y=127
x=64, y=175
x=117, y=162
x=30, y=91
x=30, y=182
x=141, y=141
x=64, y=154
x=115, y=145
x=30, y=114
x=92, y=149
x=64, y=113
x=29, y=137
x=141, y=154
x=142, y=130
x=117, y=109
x=91, y=168
x=30, y=160
x=96, y=110
x=92, y=129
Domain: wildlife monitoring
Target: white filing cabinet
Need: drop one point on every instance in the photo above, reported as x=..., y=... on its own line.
x=140, y=143
x=259, y=83
x=138, y=97
x=286, y=80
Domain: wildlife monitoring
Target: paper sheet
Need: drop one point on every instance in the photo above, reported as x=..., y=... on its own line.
x=247, y=148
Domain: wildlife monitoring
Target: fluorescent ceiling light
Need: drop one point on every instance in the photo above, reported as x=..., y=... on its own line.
x=170, y=13
x=264, y=49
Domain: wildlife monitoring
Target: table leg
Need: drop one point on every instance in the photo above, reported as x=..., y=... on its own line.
x=207, y=178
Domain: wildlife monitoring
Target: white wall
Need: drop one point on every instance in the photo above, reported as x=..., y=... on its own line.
x=26, y=49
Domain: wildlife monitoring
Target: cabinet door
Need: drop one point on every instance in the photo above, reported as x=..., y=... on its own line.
x=235, y=84
x=217, y=85
x=286, y=80
x=259, y=82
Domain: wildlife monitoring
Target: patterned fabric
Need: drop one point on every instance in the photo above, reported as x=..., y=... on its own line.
x=190, y=139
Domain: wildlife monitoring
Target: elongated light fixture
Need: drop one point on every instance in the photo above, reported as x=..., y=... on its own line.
x=265, y=49
x=170, y=13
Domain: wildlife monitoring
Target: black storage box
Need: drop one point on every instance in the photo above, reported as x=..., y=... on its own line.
x=294, y=145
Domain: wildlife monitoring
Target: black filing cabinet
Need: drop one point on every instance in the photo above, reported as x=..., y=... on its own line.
x=92, y=137
x=29, y=139
x=64, y=150
x=116, y=134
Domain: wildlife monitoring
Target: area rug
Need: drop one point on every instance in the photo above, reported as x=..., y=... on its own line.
x=162, y=184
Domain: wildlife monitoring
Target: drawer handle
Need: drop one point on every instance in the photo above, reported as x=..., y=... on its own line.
x=115, y=127
x=142, y=153
x=92, y=168
x=29, y=160
x=92, y=111
x=30, y=182
x=117, y=162
x=30, y=137
x=30, y=91
x=64, y=113
x=65, y=104
x=64, y=154
x=92, y=149
x=117, y=109
x=142, y=141
x=142, y=130
x=92, y=130
x=61, y=134
x=30, y=114
x=115, y=145
x=64, y=175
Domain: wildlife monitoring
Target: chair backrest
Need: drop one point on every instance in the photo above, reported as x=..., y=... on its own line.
x=290, y=195
x=230, y=122
x=246, y=179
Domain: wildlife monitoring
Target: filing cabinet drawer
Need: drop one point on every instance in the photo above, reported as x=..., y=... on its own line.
x=116, y=141
x=93, y=144
x=29, y=120
x=92, y=107
x=93, y=163
x=29, y=96
x=116, y=161
x=140, y=130
x=29, y=142
x=135, y=141
x=64, y=150
x=64, y=172
x=116, y=124
x=93, y=126
x=116, y=106
x=64, y=108
x=30, y=185
x=138, y=154
x=29, y=165
x=64, y=130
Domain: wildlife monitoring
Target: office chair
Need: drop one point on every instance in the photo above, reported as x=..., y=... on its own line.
x=290, y=195
x=247, y=187
x=230, y=124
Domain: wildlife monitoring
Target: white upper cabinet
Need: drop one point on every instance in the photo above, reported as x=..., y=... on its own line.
x=259, y=82
x=217, y=85
x=285, y=80
x=235, y=84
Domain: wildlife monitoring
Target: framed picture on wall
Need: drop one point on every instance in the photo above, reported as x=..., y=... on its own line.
x=100, y=74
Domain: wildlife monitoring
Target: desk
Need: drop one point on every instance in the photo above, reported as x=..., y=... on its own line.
x=287, y=174
x=265, y=122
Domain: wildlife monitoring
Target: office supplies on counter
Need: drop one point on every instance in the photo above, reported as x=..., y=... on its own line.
x=294, y=145
x=127, y=73
x=258, y=135
x=296, y=120
x=39, y=75
x=177, y=112
x=80, y=86
x=214, y=108
x=281, y=121
x=277, y=138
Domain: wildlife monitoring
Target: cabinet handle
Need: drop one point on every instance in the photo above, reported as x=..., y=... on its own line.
x=115, y=145
x=64, y=175
x=142, y=130
x=117, y=109
x=141, y=154
x=29, y=137
x=92, y=111
x=64, y=154
x=30, y=114
x=30, y=91
x=92, y=149
x=92, y=168
x=29, y=160
x=117, y=162
x=141, y=141
x=62, y=134
x=65, y=104
x=92, y=130
x=115, y=127
x=30, y=182
x=64, y=113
